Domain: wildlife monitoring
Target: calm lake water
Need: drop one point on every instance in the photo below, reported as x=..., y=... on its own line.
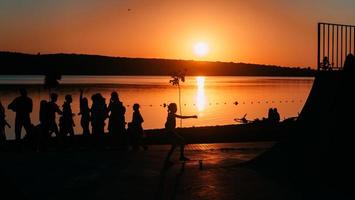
x=212, y=98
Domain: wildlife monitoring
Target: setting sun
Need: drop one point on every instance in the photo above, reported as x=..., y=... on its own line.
x=201, y=49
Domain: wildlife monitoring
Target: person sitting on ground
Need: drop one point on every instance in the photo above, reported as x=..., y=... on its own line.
x=66, y=121
x=85, y=114
x=174, y=137
x=273, y=116
x=135, y=128
x=3, y=124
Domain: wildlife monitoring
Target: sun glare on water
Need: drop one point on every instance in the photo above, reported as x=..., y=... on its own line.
x=201, y=49
x=200, y=96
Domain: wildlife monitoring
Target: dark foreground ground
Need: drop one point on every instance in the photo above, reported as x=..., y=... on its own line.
x=127, y=174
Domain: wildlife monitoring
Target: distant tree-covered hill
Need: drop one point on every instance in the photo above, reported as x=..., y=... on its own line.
x=77, y=64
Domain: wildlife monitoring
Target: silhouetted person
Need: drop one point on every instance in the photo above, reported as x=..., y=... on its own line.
x=276, y=115
x=273, y=116
x=270, y=115
x=349, y=63
x=85, y=114
x=98, y=114
x=3, y=124
x=22, y=105
x=117, y=123
x=44, y=124
x=135, y=128
x=326, y=64
x=53, y=109
x=66, y=123
x=43, y=112
x=174, y=137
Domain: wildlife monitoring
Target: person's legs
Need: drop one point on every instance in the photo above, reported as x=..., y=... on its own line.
x=53, y=128
x=62, y=130
x=167, y=159
x=71, y=131
x=18, y=128
x=141, y=141
x=86, y=129
x=2, y=135
x=56, y=130
x=27, y=125
x=181, y=141
x=85, y=126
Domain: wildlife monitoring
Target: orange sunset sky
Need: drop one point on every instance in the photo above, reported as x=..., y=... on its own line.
x=280, y=32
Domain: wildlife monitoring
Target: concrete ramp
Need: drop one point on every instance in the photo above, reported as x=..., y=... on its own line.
x=320, y=153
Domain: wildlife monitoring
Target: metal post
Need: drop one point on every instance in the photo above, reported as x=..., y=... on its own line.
x=323, y=48
x=318, y=58
x=341, y=46
x=350, y=42
x=332, y=45
x=337, y=46
x=346, y=41
x=328, y=44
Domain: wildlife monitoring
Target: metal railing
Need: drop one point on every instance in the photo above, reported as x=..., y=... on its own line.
x=335, y=42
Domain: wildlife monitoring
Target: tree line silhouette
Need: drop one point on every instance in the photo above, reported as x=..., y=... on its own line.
x=77, y=64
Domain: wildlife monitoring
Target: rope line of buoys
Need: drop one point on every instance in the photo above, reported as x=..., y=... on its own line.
x=235, y=103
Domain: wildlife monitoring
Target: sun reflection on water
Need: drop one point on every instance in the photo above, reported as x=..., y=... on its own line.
x=200, y=96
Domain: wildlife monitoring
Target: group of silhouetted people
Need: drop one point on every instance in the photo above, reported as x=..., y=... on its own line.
x=96, y=116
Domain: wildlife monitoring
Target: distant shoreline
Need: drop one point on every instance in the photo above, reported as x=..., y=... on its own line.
x=77, y=64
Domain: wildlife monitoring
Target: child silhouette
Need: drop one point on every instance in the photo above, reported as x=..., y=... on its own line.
x=174, y=137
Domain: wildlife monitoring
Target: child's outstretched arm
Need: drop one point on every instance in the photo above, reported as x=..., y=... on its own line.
x=185, y=117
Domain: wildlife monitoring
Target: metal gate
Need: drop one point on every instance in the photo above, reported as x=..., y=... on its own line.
x=335, y=42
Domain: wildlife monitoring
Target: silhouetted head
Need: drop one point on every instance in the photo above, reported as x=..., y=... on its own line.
x=114, y=96
x=172, y=108
x=275, y=110
x=68, y=98
x=271, y=112
x=94, y=98
x=23, y=92
x=136, y=107
x=54, y=97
